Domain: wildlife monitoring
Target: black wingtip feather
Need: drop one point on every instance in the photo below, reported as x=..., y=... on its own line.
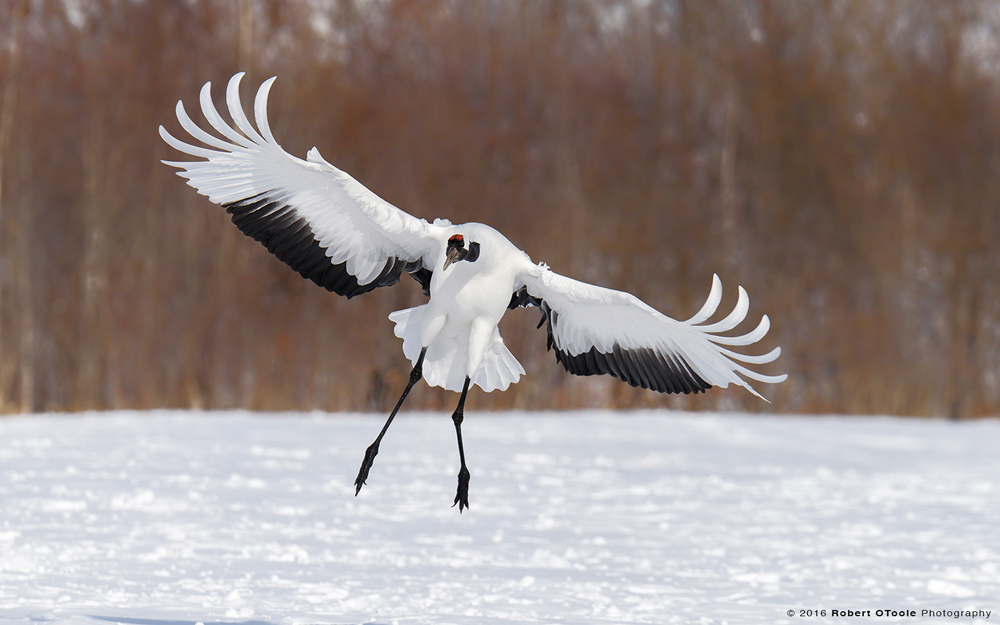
x=643, y=367
x=287, y=235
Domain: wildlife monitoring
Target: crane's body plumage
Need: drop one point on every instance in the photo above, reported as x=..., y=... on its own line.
x=332, y=230
x=458, y=325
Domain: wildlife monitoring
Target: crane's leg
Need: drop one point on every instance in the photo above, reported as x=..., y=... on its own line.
x=366, y=464
x=462, y=496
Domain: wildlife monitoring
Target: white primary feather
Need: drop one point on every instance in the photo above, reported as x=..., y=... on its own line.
x=354, y=225
x=587, y=316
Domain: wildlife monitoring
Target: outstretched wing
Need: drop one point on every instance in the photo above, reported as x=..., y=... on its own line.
x=596, y=330
x=314, y=217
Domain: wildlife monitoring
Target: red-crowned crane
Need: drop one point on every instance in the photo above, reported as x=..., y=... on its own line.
x=332, y=230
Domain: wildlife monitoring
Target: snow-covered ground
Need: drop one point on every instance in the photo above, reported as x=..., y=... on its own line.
x=172, y=518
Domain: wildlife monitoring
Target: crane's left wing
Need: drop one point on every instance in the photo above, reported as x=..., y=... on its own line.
x=595, y=330
x=314, y=217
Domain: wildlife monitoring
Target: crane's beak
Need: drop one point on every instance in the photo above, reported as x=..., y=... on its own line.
x=454, y=254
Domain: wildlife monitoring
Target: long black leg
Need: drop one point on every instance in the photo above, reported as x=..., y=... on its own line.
x=462, y=496
x=366, y=464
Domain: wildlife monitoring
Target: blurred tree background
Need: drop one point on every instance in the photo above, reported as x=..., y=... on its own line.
x=838, y=158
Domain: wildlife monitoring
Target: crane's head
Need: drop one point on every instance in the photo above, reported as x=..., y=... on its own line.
x=457, y=250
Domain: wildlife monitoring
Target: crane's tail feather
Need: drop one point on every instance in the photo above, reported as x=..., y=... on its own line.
x=499, y=368
x=445, y=361
x=408, y=324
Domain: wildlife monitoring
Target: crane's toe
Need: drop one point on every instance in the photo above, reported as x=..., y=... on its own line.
x=366, y=465
x=462, y=496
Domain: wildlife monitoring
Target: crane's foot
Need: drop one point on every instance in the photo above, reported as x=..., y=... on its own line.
x=366, y=465
x=462, y=496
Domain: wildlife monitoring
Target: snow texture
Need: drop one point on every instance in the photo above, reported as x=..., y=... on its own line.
x=174, y=518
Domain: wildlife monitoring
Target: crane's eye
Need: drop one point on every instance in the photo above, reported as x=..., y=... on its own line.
x=456, y=240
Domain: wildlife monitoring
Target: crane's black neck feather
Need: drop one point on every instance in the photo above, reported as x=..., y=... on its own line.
x=473, y=254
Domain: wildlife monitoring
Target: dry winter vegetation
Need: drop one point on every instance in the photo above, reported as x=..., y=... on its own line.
x=837, y=158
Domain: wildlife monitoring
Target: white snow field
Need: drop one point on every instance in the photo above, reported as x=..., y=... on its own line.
x=180, y=518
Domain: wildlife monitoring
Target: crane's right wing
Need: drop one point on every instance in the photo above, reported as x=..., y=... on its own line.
x=314, y=217
x=595, y=330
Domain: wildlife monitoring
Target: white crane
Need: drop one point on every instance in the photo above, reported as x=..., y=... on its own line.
x=332, y=230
